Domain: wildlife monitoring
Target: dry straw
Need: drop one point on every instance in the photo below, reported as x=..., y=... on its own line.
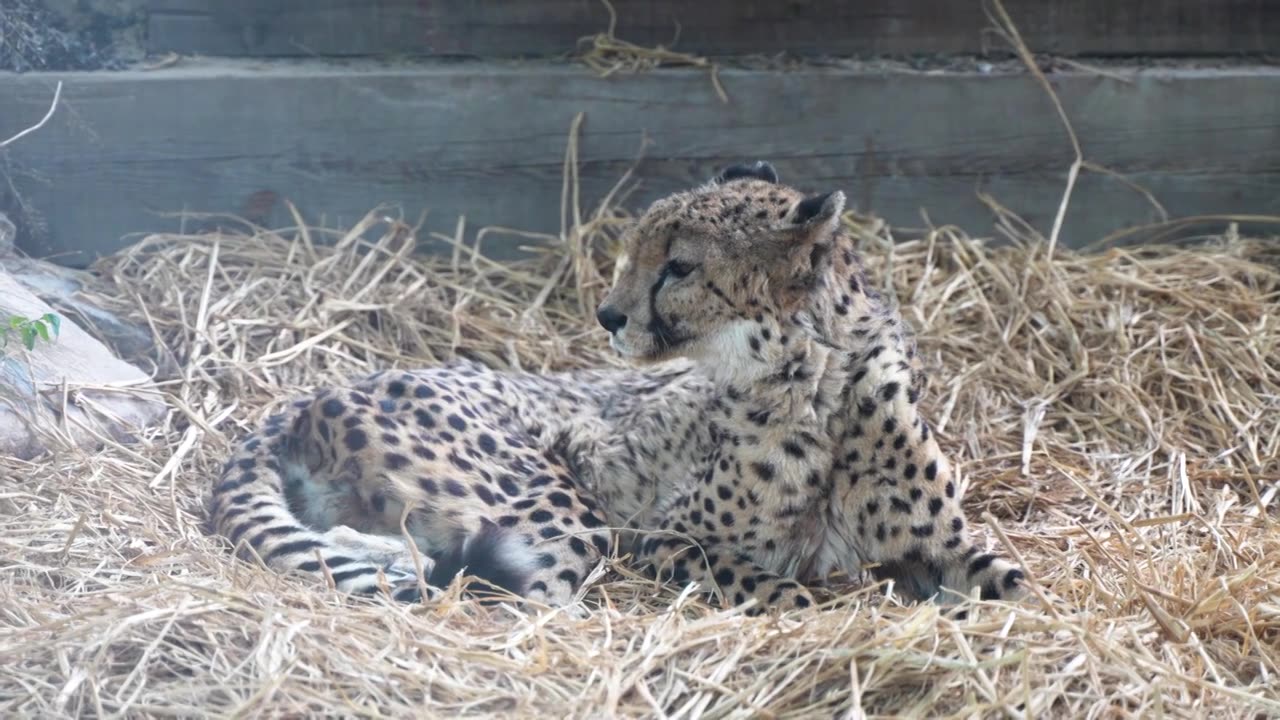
x=1115, y=418
x=1117, y=414
x=607, y=54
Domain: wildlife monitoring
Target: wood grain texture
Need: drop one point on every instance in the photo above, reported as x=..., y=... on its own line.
x=504, y=28
x=488, y=141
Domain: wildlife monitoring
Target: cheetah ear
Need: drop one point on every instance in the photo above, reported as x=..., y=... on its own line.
x=805, y=241
x=761, y=170
x=813, y=220
x=816, y=211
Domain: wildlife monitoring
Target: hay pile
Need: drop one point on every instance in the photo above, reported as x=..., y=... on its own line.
x=1116, y=415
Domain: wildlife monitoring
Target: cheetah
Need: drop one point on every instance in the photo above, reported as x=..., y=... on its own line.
x=766, y=434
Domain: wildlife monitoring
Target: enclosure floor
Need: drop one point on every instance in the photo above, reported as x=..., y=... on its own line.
x=1115, y=416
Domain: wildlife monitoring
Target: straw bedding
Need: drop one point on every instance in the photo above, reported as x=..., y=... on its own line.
x=1116, y=418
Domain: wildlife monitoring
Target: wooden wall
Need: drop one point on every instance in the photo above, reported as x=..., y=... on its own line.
x=485, y=137
x=504, y=28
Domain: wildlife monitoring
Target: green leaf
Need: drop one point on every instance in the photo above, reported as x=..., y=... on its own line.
x=42, y=329
x=29, y=337
x=55, y=322
x=16, y=322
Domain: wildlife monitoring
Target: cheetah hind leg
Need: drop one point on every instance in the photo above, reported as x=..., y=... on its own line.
x=949, y=577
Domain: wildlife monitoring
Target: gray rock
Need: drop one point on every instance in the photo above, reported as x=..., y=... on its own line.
x=61, y=287
x=72, y=391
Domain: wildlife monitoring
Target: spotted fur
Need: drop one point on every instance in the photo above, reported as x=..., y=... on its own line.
x=769, y=434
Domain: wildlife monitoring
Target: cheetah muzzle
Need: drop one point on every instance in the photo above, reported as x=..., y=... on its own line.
x=769, y=435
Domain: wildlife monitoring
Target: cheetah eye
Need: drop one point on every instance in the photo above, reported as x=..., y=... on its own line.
x=677, y=269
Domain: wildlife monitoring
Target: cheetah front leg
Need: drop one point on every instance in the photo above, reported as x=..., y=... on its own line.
x=899, y=501
x=729, y=573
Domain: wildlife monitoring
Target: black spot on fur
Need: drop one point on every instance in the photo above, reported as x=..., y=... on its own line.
x=293, y=548
x=980, y=563
x=354, y=573
x=508, y=485
x=601, y=544
x=866, y=407
x=355, y=440
x=1012, y=578
x=332, y=408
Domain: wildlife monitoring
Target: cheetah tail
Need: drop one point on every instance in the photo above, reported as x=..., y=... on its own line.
x=499, y=559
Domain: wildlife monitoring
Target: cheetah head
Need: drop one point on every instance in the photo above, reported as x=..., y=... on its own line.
x=700, y=267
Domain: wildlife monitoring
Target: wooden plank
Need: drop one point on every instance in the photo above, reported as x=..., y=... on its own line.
x=504, y=28
x=487, y=141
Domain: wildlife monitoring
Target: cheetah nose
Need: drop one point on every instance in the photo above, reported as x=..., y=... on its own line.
x=610, y=319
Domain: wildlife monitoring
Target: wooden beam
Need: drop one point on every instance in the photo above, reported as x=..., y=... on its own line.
x=487, y=141
x=504, y=28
